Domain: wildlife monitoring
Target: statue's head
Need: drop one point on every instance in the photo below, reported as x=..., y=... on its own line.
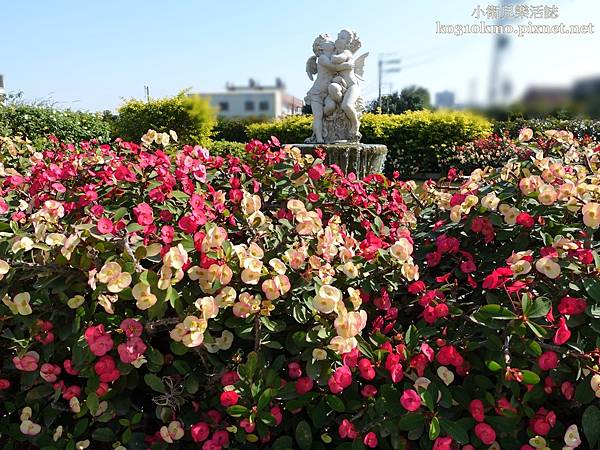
x=347, y=40
x=323, y=44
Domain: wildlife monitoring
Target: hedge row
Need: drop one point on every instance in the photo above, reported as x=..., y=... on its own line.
x=413, y=138
x=36, y=123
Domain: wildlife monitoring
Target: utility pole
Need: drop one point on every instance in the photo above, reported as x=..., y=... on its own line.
x=147, y=93
x=386, y=65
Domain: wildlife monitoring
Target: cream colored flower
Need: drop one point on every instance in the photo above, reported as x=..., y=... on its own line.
x=111, y=275
x=490, y=201
x=29, y=428
x=106, y=301
x=4, y=268
x=23, y=243
x=319, y=354
x=401, y=249
x=591, y=214
x=525, y=134
x=75, y=405
x=446, y=375
x=327, y=299
x=21, y=302
x=173, y=432
x=58, y=433
x=82, y=445
x=143, y=295
x=25, y=413
x=55, y=239
x=548, y=267
x=572, y=438
x=176, y=257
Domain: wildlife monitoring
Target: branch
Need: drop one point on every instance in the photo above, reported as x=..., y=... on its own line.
x=257, y=332
x=152, y=327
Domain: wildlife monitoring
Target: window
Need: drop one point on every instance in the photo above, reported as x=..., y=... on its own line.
x=224, y=106
x=249, y=105
x=263, y=105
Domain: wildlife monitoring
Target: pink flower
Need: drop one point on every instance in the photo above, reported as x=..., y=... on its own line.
x=366, y=370
x=443, y=443
x=548, y=360
x=277, y=414
x=294, y=370
x=131, y=328
x=485, y=433
x=410, y=400
x=477, y=411
x=98, y=340
x=563, y=334
x=106, y=369
x=131, y=350
x=200, y=432
x=397, y=373
x=143, y=214
x=340, y=380
x=50, y=372
x=369, y=391
x=28, y=363
x=230, y=377
x=370, y=440
x=105, y=226
x=4, y=384
x=68, y=365
x=347, y=430
x=71, y=392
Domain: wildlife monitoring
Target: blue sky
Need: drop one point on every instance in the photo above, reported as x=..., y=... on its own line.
x=90, y=55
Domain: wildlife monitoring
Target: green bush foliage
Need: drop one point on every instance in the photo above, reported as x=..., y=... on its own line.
x=226, y=148
x=37, y=122
x=413, y=138
x=233, y=129
x=191, y=117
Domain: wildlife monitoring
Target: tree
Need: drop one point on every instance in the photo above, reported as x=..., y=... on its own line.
x=412, y=98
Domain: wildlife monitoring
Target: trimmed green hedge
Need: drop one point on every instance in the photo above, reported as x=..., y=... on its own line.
x=225, y=148
x=579, y=127
x=191, y=117
x=36, y=123
x=414, y=139
x=233, y=129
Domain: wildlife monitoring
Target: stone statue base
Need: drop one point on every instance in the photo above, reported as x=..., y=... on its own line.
x=362, y=159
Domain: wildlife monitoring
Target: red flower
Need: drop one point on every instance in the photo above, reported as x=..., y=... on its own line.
x=572, y=306
x=563, y=334
x=304, y=385
x=548, y=360
x=525, y=220
x=443, y=443
x=294, y=370
x=340, y=380
x=229, y=398
x=200, y=431
x=485, y=433
x=416, y=287
x=448, y=355
x=410, y=400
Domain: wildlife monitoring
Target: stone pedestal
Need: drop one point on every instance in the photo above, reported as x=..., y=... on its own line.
x=362, y=159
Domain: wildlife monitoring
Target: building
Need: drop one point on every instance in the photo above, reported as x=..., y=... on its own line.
x=255, y=100
x=547, y=96
x=444, y=99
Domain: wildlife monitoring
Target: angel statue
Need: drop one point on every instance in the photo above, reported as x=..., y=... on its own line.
x=335, y=95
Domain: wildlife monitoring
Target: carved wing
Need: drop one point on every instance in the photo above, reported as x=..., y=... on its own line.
x=311, y=67
x=359, y=65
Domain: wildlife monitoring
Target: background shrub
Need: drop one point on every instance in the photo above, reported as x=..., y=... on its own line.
x=415, y=139
x=225, y=148
x=37, y=122
x=579, y=127
x=234, y=129
x=191, y=117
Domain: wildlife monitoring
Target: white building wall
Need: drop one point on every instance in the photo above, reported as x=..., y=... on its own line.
x=237, y=103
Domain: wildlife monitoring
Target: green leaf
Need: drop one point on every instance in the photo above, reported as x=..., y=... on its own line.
x=92, y=402
x=592, y=287
x=303, y=435
x=539, y=308
x=494, y=311
x=283, y=443
x=411, y=421
x=455, y=431
x=155, y=383
x=530, y=377
x=265, y=398
x=103, y=434
x=434, y=429
x=80, y=427
x=39, y=392
x=591, y=425
x=493, y=366
x=237, y=410
x=336, y=403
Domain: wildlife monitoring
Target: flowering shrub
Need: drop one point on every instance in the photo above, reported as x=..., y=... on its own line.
x=193, y=301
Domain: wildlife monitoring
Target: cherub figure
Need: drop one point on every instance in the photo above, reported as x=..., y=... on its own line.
x=346, y=45
x=318, y=97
